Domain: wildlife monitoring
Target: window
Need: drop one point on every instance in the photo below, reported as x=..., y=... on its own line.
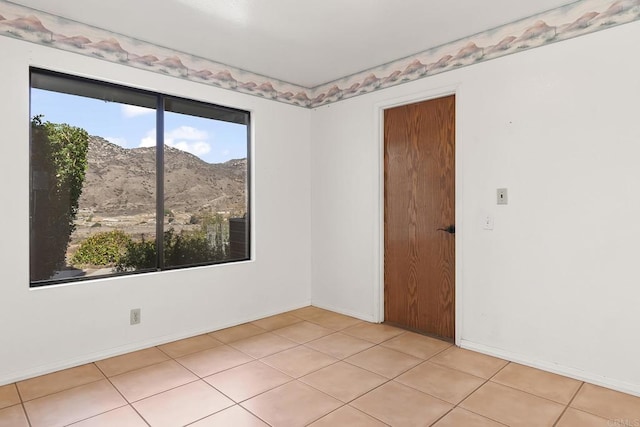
x=126, y=181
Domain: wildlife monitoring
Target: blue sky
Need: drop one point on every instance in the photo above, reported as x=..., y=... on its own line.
x=130, y=126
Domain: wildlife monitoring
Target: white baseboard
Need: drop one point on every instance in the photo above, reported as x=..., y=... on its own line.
x=140, y=345
x=365, y=317
x=566, y=371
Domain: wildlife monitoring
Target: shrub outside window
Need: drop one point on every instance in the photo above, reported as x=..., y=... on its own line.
x=126, y=181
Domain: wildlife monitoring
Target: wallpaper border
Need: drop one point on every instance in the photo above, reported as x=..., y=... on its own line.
x=576, y=19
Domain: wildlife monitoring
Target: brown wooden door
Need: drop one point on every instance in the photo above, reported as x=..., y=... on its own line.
x=419, y=199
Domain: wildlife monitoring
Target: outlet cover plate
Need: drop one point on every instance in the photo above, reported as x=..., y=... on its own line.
x=134, y=316
x=502, y=197
x=487, y=222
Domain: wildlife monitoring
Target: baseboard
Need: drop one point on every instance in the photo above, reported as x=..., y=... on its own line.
x=140, y=345
x=566, y=371
x=365, y=317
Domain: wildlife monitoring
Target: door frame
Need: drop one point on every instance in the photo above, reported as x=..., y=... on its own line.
x=378, y=256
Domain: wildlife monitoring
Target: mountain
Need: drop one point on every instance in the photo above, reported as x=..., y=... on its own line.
x=121, y=181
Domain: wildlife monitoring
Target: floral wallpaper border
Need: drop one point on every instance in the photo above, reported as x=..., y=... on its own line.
x=576, y=19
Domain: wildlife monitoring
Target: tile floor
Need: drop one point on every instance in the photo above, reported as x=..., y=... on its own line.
x=310, y=367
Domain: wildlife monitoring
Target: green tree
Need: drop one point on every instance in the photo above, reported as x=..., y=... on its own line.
x=58, y=165
x=138, y=255
x=102, y=249
x=208, y=244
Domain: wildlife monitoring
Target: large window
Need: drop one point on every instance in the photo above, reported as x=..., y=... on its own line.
x=125, y=181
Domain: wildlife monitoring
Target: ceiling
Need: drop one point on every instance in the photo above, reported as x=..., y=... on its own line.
x=305, y=42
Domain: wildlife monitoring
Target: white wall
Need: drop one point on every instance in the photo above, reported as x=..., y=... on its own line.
x=556, y=283
x=50, y=328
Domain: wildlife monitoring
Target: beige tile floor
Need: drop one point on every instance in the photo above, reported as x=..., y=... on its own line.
x=310, y=367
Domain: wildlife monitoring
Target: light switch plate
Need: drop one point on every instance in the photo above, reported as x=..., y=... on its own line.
x=502, y=198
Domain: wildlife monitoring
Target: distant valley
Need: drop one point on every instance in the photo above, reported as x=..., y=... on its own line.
x=122, y=181
x=119, y=189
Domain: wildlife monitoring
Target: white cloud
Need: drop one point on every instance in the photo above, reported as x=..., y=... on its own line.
x=185, y=138
x=134, y=111
x=199, y=148
x=149, y=140
x=187, y=133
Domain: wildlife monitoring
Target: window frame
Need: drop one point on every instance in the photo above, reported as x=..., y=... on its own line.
x=160, y=110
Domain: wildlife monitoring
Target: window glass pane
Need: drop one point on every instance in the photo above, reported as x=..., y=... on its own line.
x=90, y=89
x=103, y=201
x=205, y=185
x=92, y=180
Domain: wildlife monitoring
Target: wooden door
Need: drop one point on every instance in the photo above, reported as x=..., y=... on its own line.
x=419, y=208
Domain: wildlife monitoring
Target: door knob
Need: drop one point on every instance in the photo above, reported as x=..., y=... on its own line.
x=450, y=229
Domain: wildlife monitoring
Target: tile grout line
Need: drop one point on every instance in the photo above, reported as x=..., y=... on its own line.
x=533, y=394
x=443, y=415
x=26, y=415
x=454, y=406
x=376, y=373
x=388, y=380
x=440, y=352
x=237, y=366
x=24, y=409
x=64, y=390
x=245, y=353
x=263, y=392
x=216, y=412
x=355, y=409
x=223, y=370
x=235, y=403
x=373, y=345
x=457, y=405
x=343, y=404
x=476, y=389
x=292, y=379
x=328, y=413
x=336, y=330
x=254, y=414
x=59, y=391
x=486, y=380
x=199, y=378
x=18, y=391
x=304, y=375
x=130, y=404
x=324, y=415
x=120, y=393
x=144, y=420
x=270, y=354
x=338, y=360
x=355, y=398
x=481, y=415
x=569, y=404
x=566, y=406
x=131, y=370
x=500, y=370
x=68, y=389
x=375, y=388
x=305, y=345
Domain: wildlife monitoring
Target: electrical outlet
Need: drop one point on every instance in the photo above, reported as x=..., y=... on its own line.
x=502, y=198
x=134, y=316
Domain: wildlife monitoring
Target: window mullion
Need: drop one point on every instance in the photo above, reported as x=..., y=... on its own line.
x=92, y=212
x=160, y=183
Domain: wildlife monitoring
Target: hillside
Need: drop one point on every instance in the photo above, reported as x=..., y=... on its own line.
x=121, y=182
